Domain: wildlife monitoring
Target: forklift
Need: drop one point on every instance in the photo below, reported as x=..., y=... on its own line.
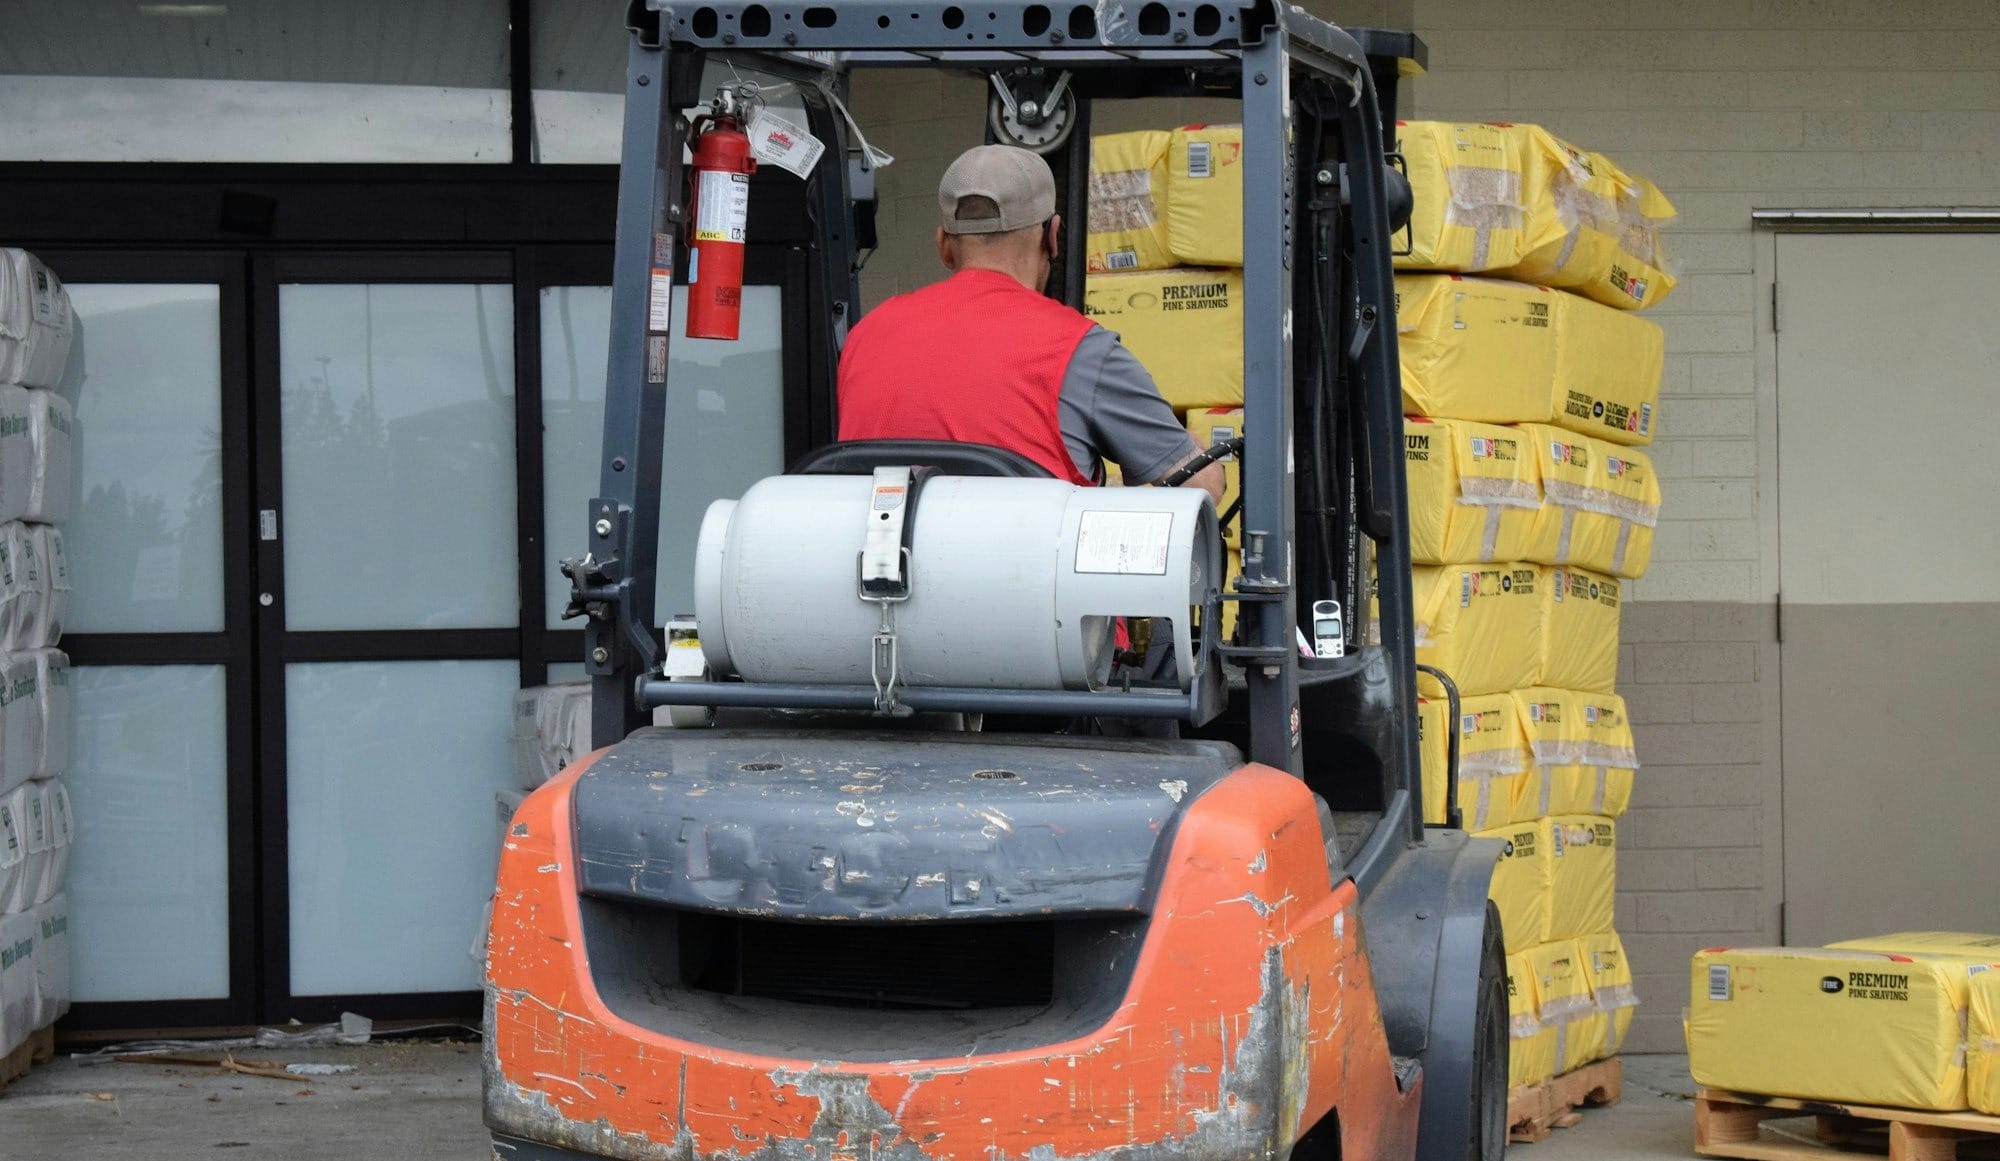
x=881, y=884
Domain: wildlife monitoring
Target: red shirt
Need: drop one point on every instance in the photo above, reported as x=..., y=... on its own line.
x=976, y=358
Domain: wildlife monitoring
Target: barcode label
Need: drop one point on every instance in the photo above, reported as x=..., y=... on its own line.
x=1645, y=418
x=1198, y=159
x=1464, y=589
x=1122, y=260
x=1718, y=982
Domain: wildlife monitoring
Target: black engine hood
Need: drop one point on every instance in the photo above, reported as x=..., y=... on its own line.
x=837, y=825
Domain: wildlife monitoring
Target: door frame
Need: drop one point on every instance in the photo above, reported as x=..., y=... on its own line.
x=234, y=648
x=280, y=647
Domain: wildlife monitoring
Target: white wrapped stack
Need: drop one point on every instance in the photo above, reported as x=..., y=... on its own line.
x=551, y=730
x=36, y=322
x=37, y=489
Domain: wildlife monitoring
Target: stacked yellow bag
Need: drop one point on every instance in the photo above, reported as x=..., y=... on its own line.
x=1982, y=1045
x=1470, y=206
x=1521, y=202
x=1128, y=186
x=1506, y=352
x=1525, y=392
x=1601, y=503
x=1568, y=1006
x=1186, y=326
x=1611, y=991
x=1835, y=1024
x=1474, y=494
x=1982, y=1016
x=1606, y=226
x=1575, y=379
x=1583, y=862
x=1523, y=882
x=1532, y=1057
x=1205, y=195
x=1580, y=650
x=1493, y=760
x=1569, y=1002
x=1480, y=623
x=1581, y=746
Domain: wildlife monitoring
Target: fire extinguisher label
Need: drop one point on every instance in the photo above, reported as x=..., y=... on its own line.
x=722, y=207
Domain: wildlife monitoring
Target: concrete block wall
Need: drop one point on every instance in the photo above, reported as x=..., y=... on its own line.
x=1729, y=105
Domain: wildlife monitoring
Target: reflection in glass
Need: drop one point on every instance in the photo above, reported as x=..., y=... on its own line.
x=725, y=427
x=149, y=874
x=145, y=547
x=578, y=76
x=391, y=844
x=275, y=80
x=398, y=411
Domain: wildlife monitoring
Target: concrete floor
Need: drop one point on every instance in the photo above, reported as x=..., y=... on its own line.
x=419, y=1102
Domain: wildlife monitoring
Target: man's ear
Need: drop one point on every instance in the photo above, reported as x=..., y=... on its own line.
x=1052, y=238
x=947, y=253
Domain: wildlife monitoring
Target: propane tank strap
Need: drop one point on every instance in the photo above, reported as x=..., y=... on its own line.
x=884, y=565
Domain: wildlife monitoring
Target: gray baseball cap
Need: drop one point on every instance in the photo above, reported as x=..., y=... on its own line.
x=1016, y=180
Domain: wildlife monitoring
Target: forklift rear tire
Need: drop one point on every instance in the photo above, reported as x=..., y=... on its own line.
x=1490, y=1047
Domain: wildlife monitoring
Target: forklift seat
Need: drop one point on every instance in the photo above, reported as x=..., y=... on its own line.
x=862, y=456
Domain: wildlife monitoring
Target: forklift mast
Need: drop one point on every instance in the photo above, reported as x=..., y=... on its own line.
x=1322, y=479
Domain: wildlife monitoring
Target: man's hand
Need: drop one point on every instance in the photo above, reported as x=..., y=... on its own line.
x=1210, y=479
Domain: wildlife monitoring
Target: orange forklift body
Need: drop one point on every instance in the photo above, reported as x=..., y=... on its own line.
x=1250, y=1012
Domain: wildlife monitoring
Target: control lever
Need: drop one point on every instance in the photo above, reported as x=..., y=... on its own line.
x=1221, y=449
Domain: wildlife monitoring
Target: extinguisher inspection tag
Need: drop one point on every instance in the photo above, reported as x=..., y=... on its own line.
x=722, y=207
x=785, y=144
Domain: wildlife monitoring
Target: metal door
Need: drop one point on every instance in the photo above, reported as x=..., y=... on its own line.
x=1889, y=542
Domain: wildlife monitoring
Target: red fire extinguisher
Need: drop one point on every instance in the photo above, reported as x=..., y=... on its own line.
x=719, y=209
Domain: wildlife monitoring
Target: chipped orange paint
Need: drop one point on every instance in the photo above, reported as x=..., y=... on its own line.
x=1245, y=898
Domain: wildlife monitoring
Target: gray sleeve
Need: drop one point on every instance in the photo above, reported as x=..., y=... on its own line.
x=1111, y=409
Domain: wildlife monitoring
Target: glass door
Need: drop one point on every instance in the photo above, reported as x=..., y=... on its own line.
x=389, y=608
x=161, y=883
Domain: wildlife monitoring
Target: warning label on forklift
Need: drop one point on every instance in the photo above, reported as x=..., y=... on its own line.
x=722, y=207
x=660, y=286
x=1124, y=542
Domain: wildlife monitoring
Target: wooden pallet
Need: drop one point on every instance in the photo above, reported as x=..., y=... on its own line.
x=1726, y=1125
x=1536, y=1110
x=38, y=1048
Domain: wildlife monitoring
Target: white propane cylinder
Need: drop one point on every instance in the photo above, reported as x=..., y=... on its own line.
x=1014, y=583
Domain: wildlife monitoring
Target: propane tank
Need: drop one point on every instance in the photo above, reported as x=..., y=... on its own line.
x=719, y=209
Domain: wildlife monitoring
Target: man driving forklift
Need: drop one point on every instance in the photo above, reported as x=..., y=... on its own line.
x=983, y=356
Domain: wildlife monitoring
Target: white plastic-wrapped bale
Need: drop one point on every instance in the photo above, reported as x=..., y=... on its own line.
x=53, y=434
x=31, y=817
x=52, y=973
x=19, y=1011
x=55, y=812
x=551, y=729
x=21, y=724
x=13, y=851
x=54, y=562
x=35, y=455
x=37, y=323
x=29, y=607
x=52, y=712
